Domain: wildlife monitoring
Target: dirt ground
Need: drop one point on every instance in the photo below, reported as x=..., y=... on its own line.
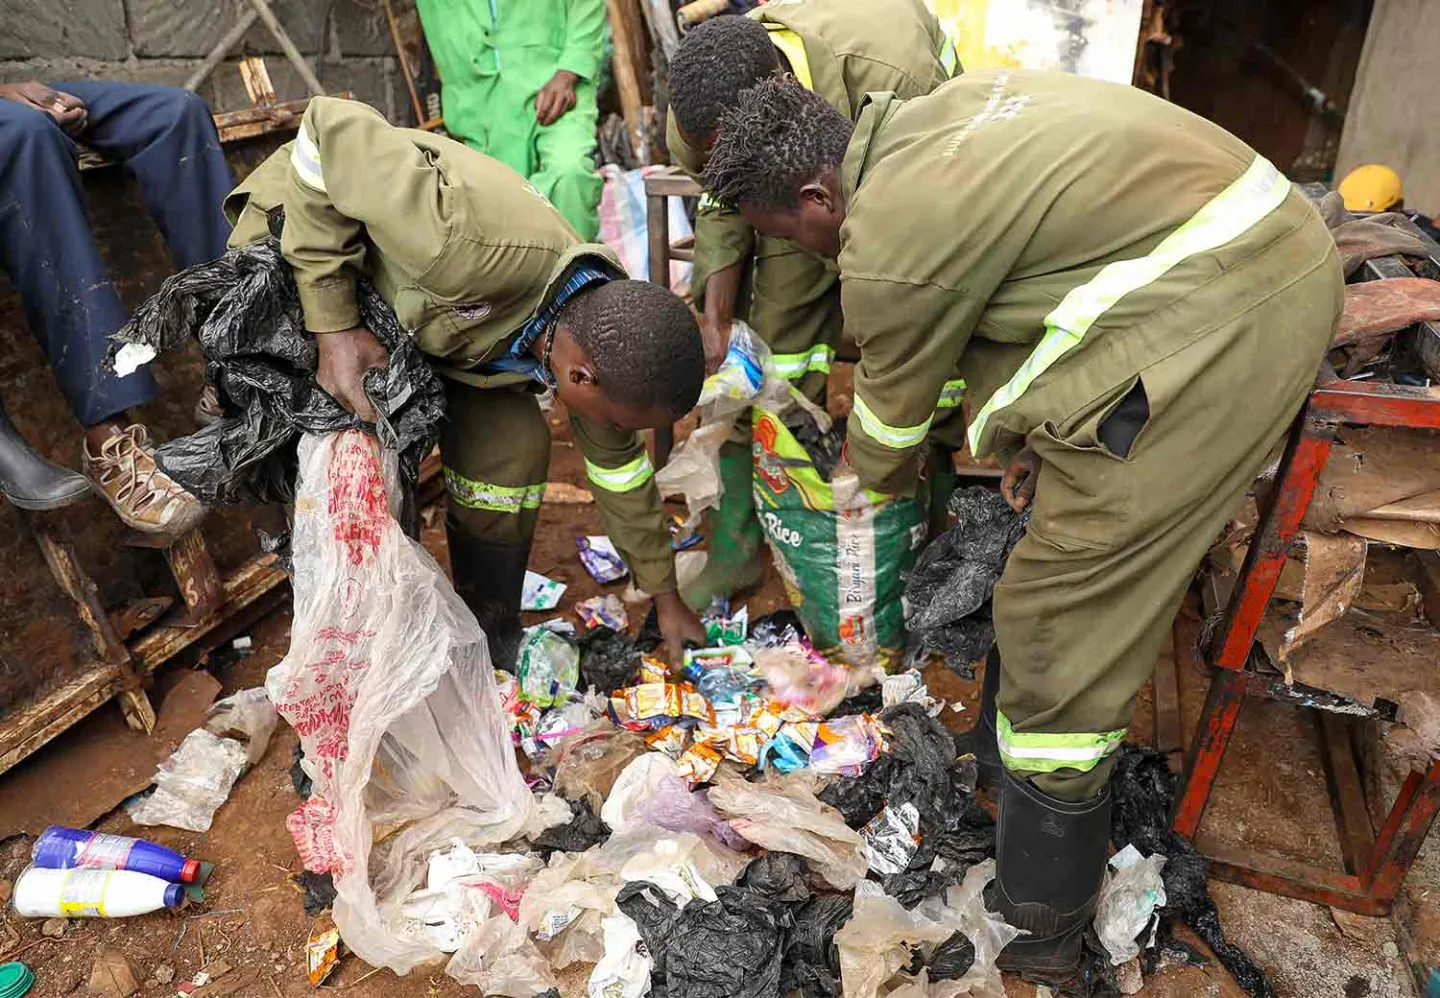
x=1271, y=797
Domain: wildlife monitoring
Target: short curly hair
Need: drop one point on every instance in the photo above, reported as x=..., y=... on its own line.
x=777, y=138
x=644, y=343
x=714, y=62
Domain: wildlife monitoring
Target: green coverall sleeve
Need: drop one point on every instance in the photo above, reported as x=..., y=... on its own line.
x=584, y=38
x=618, y=467
x=355, y=178
x=910, y=336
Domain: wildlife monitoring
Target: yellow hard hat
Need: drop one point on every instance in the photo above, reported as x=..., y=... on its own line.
x=1372, y=188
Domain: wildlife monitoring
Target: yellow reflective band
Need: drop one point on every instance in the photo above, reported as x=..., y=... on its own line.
x=625, y=478
x=1235, y=210
x=894, y=437
x=949, y=59
x=305, y=159
x=952, y=394
x=797, y=365
x=1042, y=752
x=789, y=43
x=493, y=498
x=708, y=200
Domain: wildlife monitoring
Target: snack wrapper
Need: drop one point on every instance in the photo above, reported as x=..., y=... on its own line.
x=601, y=558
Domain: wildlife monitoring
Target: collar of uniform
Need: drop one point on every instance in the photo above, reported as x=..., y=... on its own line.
x=874, y=109
x=595, y=254
x=822, y=66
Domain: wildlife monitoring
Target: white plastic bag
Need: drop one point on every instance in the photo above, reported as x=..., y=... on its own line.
x=191, y=785
x=746, y=377
x=1133, y=890
x=389, y=684
x=624, y=970
x=248, y=717
x=636, y=783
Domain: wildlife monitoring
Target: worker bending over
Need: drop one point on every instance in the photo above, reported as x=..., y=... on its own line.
x=507, y=302
x=1139, y=304
x=842, y=50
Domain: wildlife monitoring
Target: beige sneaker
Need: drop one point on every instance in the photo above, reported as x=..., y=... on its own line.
x=144, y=497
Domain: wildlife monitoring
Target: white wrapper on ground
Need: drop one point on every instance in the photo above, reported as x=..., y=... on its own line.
x=1133, y=890
x=191, y=785
x=624, y=970
x=637, y=781
x=389, y=683
x=875, y=945
x=131, y=357
x=746, y=377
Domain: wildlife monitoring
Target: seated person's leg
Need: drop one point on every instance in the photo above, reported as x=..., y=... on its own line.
x=565, y=152
x=71, y=305
x=166, y=137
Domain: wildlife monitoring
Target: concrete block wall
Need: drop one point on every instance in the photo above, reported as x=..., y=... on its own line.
x=347, y=43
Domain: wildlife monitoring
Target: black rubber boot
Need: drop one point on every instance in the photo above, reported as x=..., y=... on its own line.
x=1049, y=864
x=489, y=577
x=980, y=739
x=28, y=480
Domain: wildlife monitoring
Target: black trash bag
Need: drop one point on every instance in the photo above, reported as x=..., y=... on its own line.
x=947, y=597
x=1096, y=977
x=1143, y=789
x=952, y=958
x=768, y=629
x=919, y=881
x=779, y=876
x=654, y=915
x=812, y=961
x=609, y=660
x=584, y=830
x=245, y=311
x=319, y=891
x=870, y=700
x=824, y=448
x=731, y=947
x=649, y=638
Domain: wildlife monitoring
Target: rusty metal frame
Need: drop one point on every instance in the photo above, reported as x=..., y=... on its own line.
x=1376, y=864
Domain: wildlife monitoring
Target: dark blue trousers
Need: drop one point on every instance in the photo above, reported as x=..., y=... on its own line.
x=166, y=138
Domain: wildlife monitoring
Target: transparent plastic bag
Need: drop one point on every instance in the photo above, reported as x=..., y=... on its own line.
x=248, y=717
x=781, y=814
x=1133, y=890
x=389, y=684
x=588, y=764
x=499, y=958
x=674, y=807
x=877, y=943
x=564, y=906
x=191, y=785
x=633, y=787
x=746, y=377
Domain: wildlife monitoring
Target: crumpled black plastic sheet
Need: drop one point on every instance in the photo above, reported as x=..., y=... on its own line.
x=246, y=313
x=824, y=448
x=920, y=769
x=952, y=958
x=812, y=963
x=609, y=660
x=1144, y=789
x=947, y=597
x=584, y=830
x=731, y=947
x=779, y=876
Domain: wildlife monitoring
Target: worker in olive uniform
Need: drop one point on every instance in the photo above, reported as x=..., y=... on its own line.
x=518, y=83
x=1139, y=304
x=842, y=50
x=505, y=301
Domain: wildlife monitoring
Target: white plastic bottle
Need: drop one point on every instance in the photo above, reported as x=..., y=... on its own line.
x=92, y=893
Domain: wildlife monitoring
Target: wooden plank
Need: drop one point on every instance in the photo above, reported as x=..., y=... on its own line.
x=623, y=30
x=28, y=728
x=195, y=574
x=671, y=181
x=1347, y=792
x=249, y=583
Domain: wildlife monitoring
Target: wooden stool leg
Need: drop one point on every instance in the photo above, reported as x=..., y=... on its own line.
x=1217, y=724
x=657, y=229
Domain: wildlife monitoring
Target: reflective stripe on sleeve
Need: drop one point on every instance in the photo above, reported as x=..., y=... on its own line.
x=1235, y=210
x=796, y=365
x=894, y=437
x=1044, y=752
x=626, y=478
x=493, y=498
x=952, y=394
x=305, y=159
x=949, y=59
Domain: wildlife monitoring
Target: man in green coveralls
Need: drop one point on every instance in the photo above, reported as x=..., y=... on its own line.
x=518, y=83
x=507, y=304
x=1139, y=304
x=841, y=50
